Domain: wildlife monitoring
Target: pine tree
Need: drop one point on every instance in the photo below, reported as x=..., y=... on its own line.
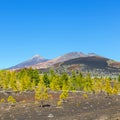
x=55, y=83
x=46, y=80
x=79, y=81
x=34, y=75
x=41, y=93
x=64, y=79
x=74, y=81
x=12, y=81
x=119, y=78
x=88, y=83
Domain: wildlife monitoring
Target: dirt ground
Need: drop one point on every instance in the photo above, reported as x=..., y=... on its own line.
x=76, y=107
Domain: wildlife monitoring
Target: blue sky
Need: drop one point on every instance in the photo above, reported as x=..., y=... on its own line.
x=55, y=27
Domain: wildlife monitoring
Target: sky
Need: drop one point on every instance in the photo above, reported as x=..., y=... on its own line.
x=52, y=28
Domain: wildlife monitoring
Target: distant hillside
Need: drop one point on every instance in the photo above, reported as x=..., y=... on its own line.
x=94, y=64
x=92, y=61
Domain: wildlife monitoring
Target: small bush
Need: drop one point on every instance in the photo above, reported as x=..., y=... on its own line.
x=11, y=99
x=85, y=95
x=2, y=100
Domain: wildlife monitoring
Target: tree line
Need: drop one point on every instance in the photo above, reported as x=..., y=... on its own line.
x=31, y=79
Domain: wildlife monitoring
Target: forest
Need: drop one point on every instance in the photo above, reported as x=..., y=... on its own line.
x=45, y=83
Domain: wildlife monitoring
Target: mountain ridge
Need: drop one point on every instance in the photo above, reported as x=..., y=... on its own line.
x=79, y=60
x=37, y=60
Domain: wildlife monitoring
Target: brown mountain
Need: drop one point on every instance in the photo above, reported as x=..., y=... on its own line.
x=93, y=64
x=73, y=61
x=65, y=57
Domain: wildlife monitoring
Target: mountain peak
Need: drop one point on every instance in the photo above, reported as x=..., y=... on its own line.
x=74, y=54
x=37, y=56
x=70, y=55
x=92, y=54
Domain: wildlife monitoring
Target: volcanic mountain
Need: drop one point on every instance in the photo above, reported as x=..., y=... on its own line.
x=34, y=60
x=65, y=57
x=73, y=61
x=96, y=65
x=39, y=62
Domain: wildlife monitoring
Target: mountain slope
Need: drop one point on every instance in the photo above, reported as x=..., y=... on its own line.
x=94, y=64
x=65, y=57
x=92, y=61
x=34, y=60
x=73, y=61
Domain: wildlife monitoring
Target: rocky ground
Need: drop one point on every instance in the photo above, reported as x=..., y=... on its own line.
x=76, y=107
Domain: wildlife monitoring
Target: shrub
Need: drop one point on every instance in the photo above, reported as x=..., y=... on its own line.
x=11, y=99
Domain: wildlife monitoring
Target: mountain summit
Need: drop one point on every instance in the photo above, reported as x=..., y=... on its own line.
x=37, y=58
x=69, y=56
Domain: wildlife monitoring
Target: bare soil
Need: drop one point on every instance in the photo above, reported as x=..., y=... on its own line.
x=75, y=107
